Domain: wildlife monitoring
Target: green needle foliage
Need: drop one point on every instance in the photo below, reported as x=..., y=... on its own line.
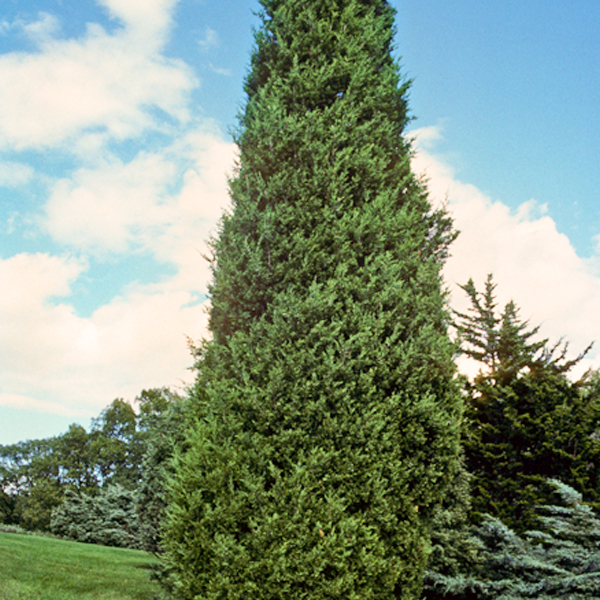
x=108, y=518
x=560, y=558
x=526, y=421
x=163, y=422
x=327, y=417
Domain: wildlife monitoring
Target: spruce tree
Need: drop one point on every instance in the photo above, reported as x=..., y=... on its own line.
x=559, y=558
x=326, y=414
x=108, y=518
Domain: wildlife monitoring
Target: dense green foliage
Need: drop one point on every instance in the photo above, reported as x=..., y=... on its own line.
x=527, y=424
x=40, y=568
x=317, y=456
x=526, y=421
x=560, y=558
x=35, y=474
x=31, y=481
x=327, y=417
x=118, y=450
x=165, y=427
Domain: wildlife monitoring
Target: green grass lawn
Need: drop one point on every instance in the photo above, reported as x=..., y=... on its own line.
x=40, y=568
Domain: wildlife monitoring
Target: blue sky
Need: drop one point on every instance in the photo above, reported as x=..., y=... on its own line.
x=515, y=87
x=114, y=147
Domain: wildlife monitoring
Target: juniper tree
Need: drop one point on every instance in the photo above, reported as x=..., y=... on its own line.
x=327, y=417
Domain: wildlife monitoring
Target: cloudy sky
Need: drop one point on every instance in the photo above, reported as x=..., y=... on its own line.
x=114, y=148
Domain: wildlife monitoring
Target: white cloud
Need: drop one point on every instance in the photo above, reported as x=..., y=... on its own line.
x=104, y=82
x=31, y=333
x=108, y=207
x=43, y=30
x=54, y=361
x=37, y=278
x=532, y=262
x=148, y=18
x=219, y=71
x=165, y=203
x=426, y=137
x=29, y=403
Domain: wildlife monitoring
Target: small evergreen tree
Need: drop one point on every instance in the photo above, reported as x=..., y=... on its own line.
x=327, y=417
x=108, y=518
x=525, y=420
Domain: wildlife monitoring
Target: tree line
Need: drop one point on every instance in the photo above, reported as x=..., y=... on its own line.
x=92, y=486
x=327, y=448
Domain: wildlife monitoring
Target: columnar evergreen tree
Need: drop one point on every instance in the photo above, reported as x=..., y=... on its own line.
x=327, y=418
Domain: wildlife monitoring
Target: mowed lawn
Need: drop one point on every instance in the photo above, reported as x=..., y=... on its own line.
x=39, y=568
